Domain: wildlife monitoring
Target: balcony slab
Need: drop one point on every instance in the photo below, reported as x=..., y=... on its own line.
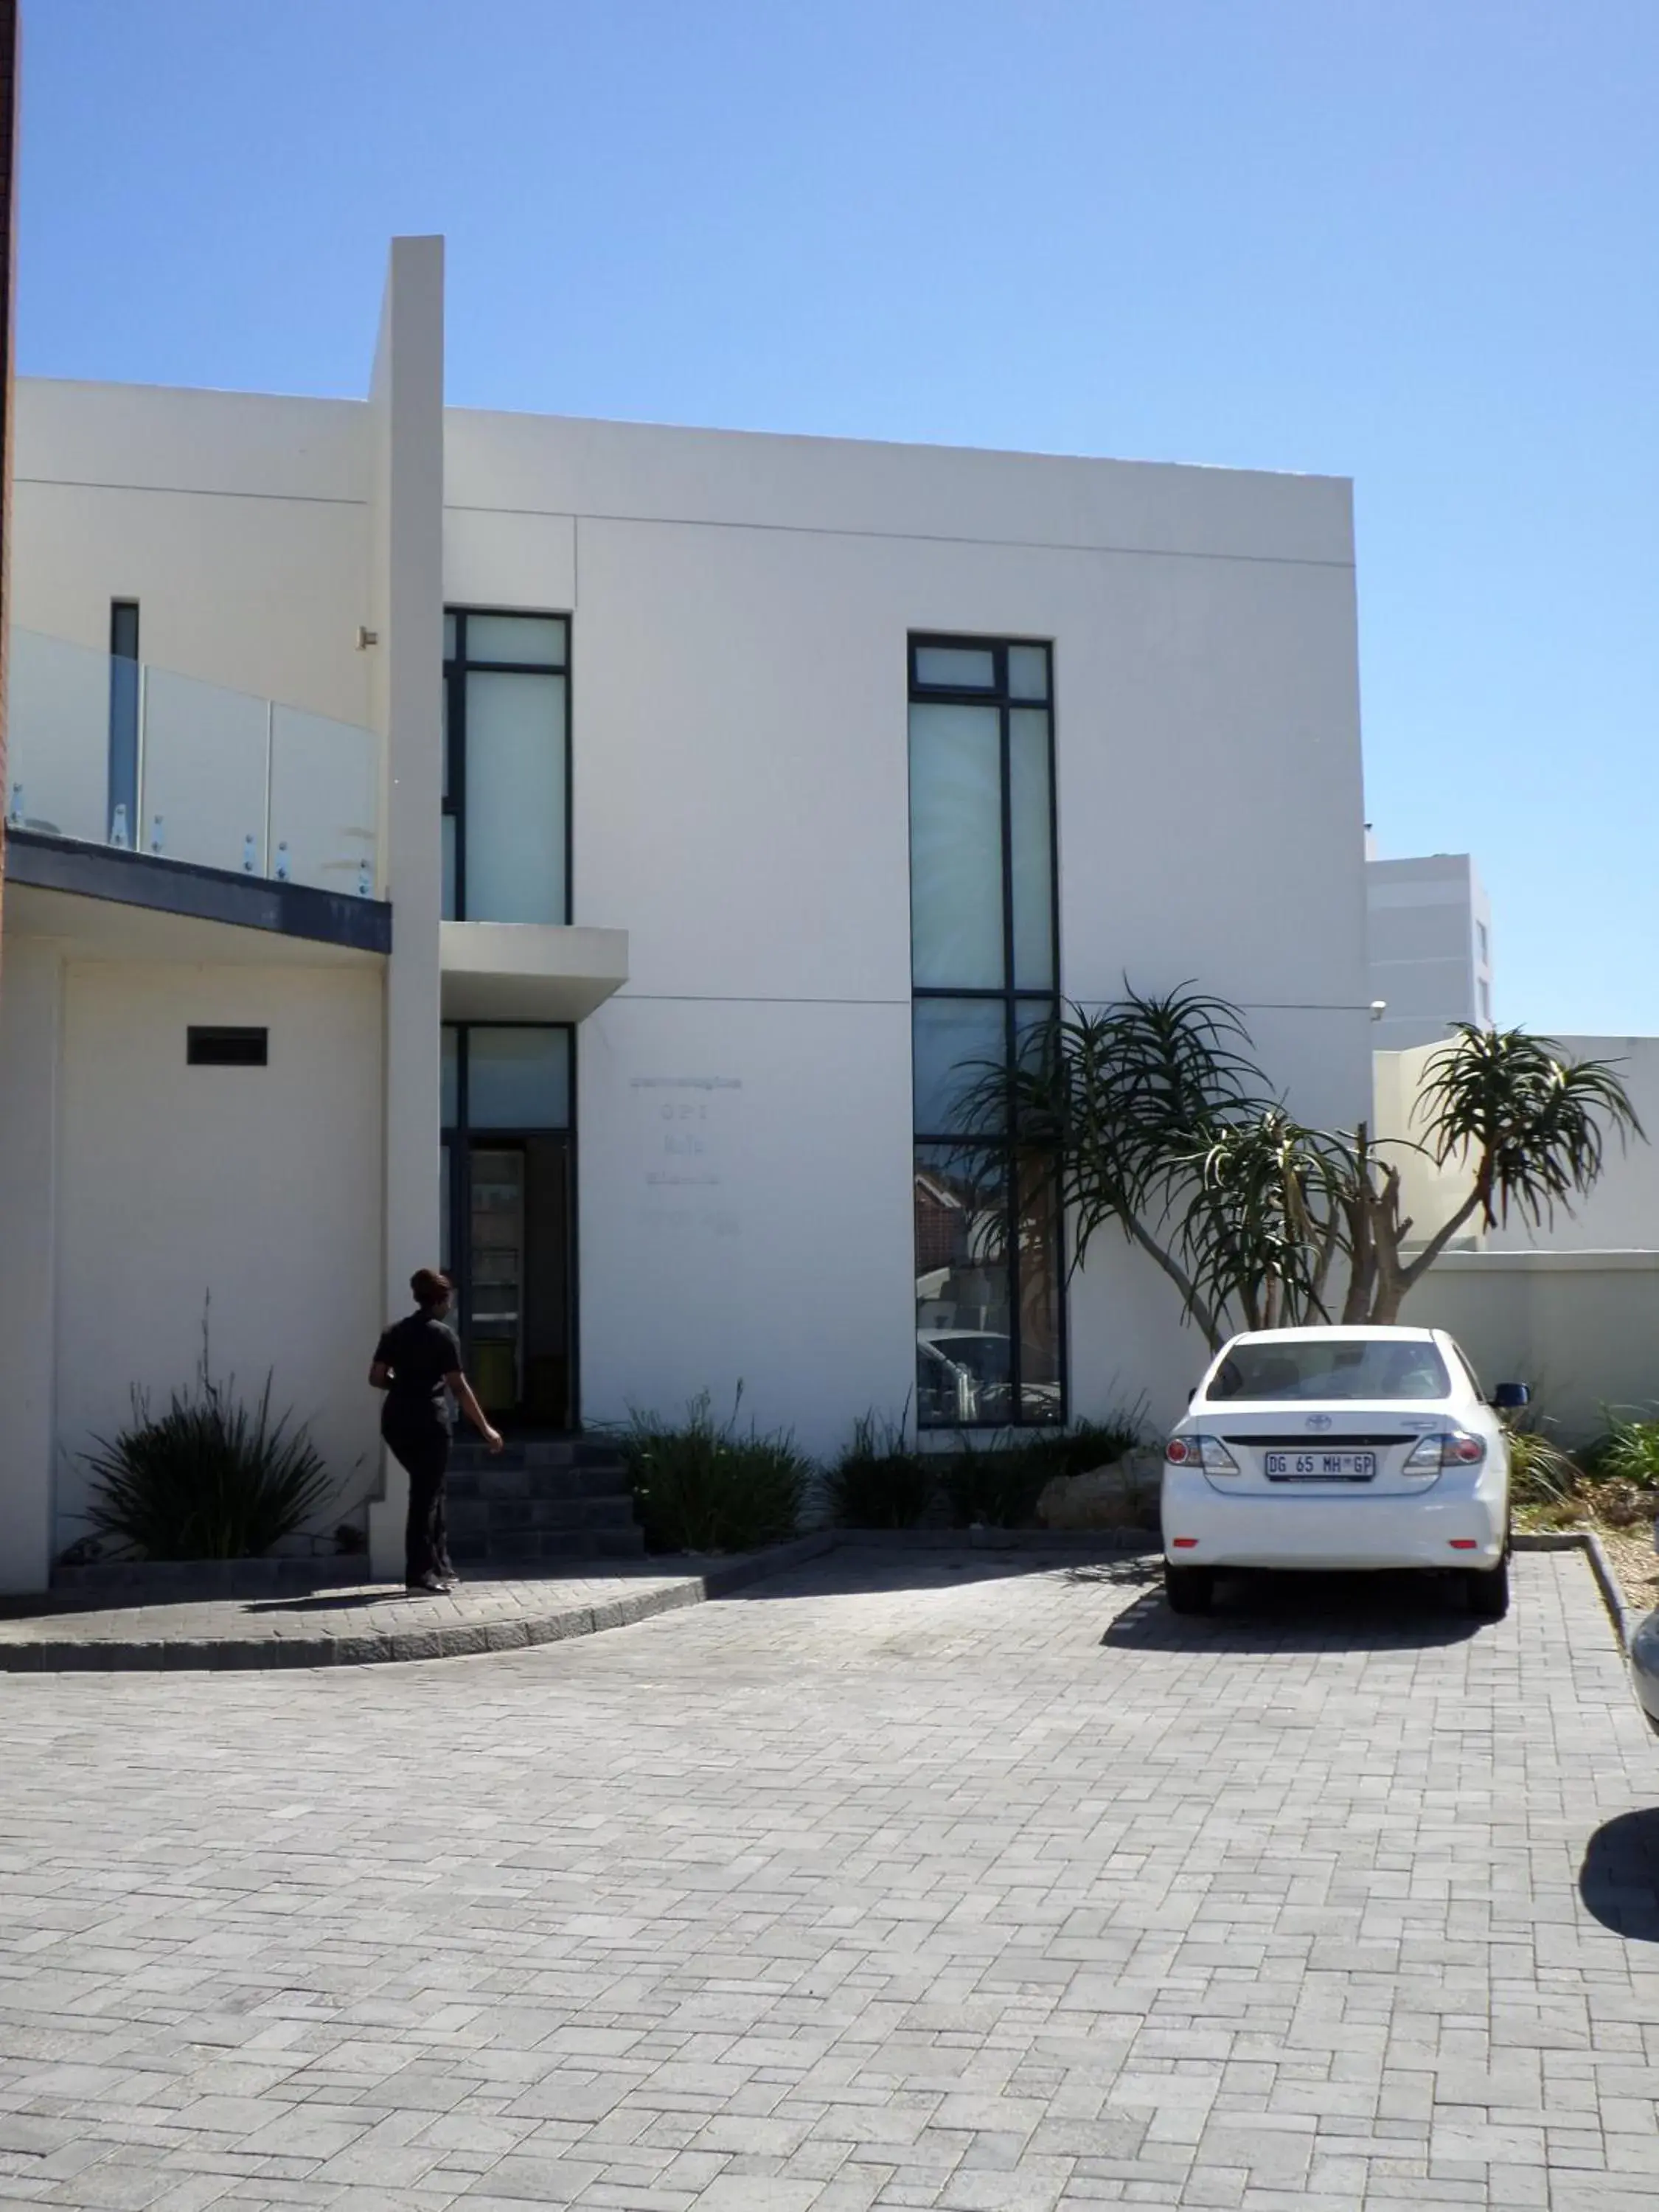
x=525, y=971
x=94, y=895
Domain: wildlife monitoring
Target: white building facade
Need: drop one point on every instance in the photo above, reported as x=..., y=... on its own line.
x=1429, y=926
x=583, y=853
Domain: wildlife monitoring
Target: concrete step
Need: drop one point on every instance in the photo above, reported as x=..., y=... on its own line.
x=469, y=1451
x=500, y=1479
x=498, y=1553
x=495, y=1515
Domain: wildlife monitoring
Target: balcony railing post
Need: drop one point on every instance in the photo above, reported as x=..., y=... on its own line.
x=141, y=764
x=271, y=741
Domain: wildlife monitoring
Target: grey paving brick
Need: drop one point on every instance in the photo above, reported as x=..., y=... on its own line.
x=951, y=1879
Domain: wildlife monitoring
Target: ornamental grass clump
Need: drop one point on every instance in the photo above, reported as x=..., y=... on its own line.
x=997, y=1484
x=879, y=1482
x=699, y=1486
x=211, y=1478
x=1629, y=1453
x=1542, y=1474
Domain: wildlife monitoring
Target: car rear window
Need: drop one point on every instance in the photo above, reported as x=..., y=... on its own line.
x=1352, y=1370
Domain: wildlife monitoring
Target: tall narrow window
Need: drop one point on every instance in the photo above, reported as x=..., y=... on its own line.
x=123, y=823
x=506, y=756
x=989, y=1235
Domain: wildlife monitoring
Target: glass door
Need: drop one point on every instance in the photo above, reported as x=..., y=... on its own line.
x=506, y=1168
x=495, y=1241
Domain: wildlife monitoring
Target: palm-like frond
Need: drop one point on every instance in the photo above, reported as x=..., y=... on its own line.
x=1153, y=1116
x=1533, y=1124
x=1158, y=1122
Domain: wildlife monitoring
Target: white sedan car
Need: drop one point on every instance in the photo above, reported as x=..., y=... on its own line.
x=1340, y=1448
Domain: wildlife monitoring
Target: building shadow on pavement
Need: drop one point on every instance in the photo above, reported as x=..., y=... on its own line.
x=1619, y=1881
x=1256, y=1613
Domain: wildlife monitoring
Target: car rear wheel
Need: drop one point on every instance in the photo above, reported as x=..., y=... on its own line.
x=1487, y=1590
x=1189, y=1590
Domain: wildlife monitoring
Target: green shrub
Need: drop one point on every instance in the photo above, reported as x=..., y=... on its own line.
x=210, y=1478
x=1086, y=1445
x=997, y=1484
x=699, y=1486
x=992, y=1486
x=1629, y=1453
x=879, y=1481
x=1540, y=1473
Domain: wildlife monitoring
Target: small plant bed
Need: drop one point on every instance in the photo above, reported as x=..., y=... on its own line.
x=703, y=1485
x=700, y=1484
x=882, y=1482
x=1611, y=1487
x=210, y=1477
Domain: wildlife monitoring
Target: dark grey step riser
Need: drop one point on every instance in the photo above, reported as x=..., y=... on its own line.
x=465, y=1451
x=539, y=1482
x=529, y=1551
x=498, y=1516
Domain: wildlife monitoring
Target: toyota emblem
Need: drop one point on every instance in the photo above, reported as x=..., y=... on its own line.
x=1320, y=1421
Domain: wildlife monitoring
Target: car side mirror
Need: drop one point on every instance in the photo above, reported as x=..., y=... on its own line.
x=1192, y=1394
x=1511, y=1397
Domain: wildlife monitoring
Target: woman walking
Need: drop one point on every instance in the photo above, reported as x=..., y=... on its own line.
x=417, y=1362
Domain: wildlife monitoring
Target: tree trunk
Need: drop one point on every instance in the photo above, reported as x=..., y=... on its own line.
x=1381, y=1277
x=1190, y=1298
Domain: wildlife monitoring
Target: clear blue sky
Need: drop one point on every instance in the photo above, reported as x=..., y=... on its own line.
x=1410, y=241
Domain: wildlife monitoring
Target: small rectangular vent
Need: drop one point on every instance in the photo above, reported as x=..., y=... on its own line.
x=218, y=1047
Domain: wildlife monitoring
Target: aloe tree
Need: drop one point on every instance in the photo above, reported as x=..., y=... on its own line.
x=1154, y=1117
x=1529, y=1126
x=1157, y=1120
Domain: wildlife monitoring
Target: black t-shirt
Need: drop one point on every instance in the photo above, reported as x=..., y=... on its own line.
x=419, y=1352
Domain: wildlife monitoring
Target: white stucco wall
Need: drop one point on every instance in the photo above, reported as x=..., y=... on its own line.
x=1581, y=1329
x=1622, y=1212
x=238, y=522
x=1431, y=1191
x=31, y=1029
x=741, y=607
x=260, y=1185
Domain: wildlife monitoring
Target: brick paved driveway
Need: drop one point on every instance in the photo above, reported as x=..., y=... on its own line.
x=891, y=1883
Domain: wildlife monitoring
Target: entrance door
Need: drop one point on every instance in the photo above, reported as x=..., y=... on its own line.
x=515, y=1279
x=508, y=1216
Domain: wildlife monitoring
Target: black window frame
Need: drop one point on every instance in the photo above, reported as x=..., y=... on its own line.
x=1013, y=996
x=125, y=717
x=457, y=667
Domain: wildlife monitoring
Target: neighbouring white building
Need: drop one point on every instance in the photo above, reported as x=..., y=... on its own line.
x=582, y=853
x=1429, y=928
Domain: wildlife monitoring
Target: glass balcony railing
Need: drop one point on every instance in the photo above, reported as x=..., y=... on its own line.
x=111, y=751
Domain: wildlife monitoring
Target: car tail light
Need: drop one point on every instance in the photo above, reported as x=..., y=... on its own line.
x=1444, y=1448
x=1208, y=1453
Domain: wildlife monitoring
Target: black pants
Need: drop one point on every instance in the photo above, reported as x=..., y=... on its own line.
x=423, y=1452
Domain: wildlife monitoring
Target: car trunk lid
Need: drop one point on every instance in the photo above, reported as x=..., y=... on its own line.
x=1357, y=1450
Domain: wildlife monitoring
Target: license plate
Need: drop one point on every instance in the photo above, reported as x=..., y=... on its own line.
x=1320, y=1466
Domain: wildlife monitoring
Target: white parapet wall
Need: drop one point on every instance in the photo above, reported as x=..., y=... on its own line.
x=1580, y=1328
x=1622, y=1212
